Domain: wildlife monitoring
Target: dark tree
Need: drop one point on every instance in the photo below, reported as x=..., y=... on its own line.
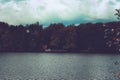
x=88, y=37
x=117, y=13
x=54, y=35
x=70, y=43
x=34, y=37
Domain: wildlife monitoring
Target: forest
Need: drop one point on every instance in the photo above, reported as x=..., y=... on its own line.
x=57, y=37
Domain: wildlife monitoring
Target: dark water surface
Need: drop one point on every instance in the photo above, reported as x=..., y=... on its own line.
x=47, y=66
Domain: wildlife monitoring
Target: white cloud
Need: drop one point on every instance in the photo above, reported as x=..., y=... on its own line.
x=47, y=11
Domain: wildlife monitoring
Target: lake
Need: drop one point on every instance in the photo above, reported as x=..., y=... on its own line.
x=51, y=66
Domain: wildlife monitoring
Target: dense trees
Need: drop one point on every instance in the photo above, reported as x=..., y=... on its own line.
x=70, y=38
x=87, y=37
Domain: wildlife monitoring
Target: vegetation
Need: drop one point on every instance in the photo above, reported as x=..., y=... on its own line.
x=118, y=14
x=87, y=37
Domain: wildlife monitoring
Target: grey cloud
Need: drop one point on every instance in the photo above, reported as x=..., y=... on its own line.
x=47, y=11
x=118, y=0
x=6, y=1
x=111, y=3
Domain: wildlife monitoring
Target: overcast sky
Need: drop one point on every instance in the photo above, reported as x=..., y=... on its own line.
x=53, y=11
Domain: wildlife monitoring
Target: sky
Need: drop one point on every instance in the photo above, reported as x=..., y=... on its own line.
x=17, y=12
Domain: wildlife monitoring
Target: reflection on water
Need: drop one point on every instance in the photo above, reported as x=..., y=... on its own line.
x=58, y=67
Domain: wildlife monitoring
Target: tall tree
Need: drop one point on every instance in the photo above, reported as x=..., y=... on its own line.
x=70, y=38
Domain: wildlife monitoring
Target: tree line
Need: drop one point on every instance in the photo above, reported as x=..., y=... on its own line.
x=57, y=37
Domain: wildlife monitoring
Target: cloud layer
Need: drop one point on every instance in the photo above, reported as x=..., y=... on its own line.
x=52, y=11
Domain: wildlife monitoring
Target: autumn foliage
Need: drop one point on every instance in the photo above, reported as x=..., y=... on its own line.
x=56, y=37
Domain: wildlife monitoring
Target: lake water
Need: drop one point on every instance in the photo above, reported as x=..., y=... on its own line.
x=48, y=66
